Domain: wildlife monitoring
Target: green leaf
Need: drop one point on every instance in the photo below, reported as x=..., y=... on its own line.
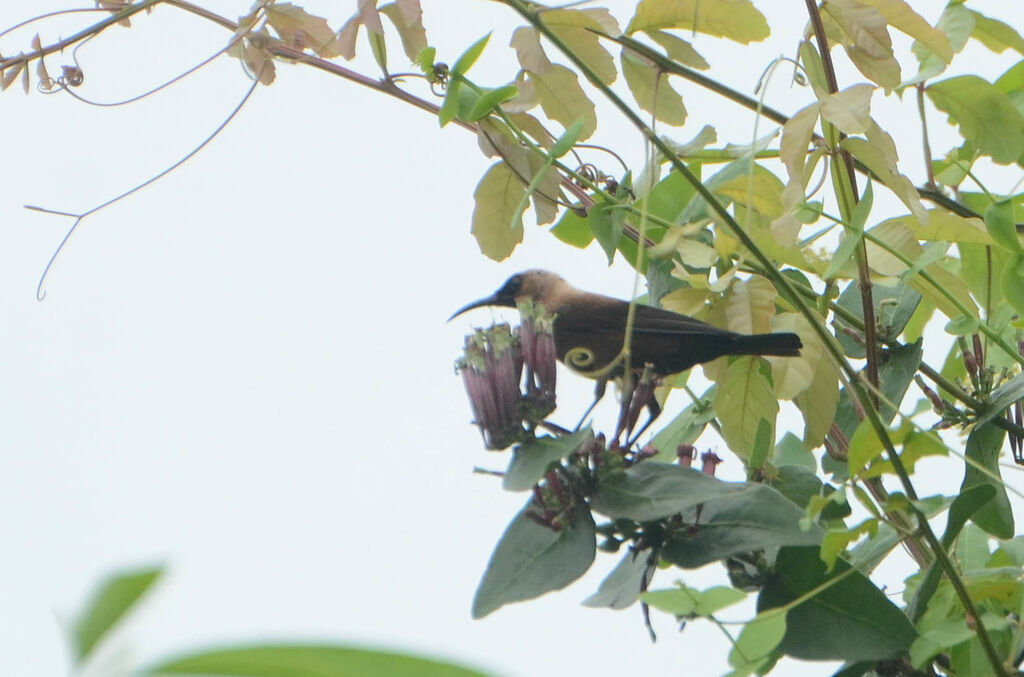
x=469, y=57
x=686, y=601
x=686, y=427
x=742, y=400
x=497, y=196
x=297, y=660
x=964, y=505
x=531, y=459
x=849, y=620
x=531, y=560
x=995, y=34
x=984, y=445
x=625, y=583
x=852, y=235
x=736, y=20
x=984, y=114
x=607, y=230
x=758, y=640
x=450, y=105
x=651, y=89
x=114, y=598
x=1012, y=281
x=1002, y=227
x=490, y=100
x=1002, y=397
x=573, y=229
x=568, y=139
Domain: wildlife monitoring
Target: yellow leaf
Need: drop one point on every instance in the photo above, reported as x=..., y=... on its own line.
x=945, y=226
x=652, y=90
x=743, y=399
x=497, y=198
x=736, y=20
x=563, y=100
x=849, y=109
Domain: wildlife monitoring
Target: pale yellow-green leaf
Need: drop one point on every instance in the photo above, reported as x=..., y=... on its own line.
x=750, y=305
x=742, y=400
x=995, y=34
x=704, y=138
x=679, y=50
x=347, y=37
x=796, y=137
x=762, y=192
x=985, y=115
x=878, y=153
x=849, y=109
x=945, y=226
x=652, y=93
x=409, y=25
x=951, y=284
x=532, y=126
x=497, y=140
x=736, y=20
x=696, y=254
x=818, y=402
x=526, y=41
x=497, y=198
x=563, y=100
x=865, y=37
x=685, y=300
x=957, y=23
x=896, y=234
x=526, y=98
x=793, y=375
x=576, y=28
x=757, y=642
x=302, y=30
x=903, y=18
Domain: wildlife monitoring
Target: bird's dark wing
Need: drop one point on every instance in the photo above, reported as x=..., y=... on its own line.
x=608, y=316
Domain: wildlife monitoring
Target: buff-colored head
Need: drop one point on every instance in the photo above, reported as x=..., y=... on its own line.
x=540, y=286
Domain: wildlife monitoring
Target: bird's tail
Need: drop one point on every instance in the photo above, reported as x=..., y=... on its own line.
x=781, y=345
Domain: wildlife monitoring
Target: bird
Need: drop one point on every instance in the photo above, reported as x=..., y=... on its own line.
x=590, y=329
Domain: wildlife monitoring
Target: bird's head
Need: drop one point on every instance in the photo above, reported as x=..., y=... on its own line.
x=536, y=285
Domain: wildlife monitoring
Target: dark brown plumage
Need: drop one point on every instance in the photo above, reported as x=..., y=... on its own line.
x=589, y=329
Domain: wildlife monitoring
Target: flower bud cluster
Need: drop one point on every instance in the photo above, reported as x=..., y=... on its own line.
x=492, y=367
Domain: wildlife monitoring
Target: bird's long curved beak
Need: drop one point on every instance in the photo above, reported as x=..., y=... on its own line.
x=491, y=300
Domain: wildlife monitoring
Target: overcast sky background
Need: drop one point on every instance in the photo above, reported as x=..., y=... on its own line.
x=244, y=370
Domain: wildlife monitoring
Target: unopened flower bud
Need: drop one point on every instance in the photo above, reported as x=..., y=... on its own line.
x=709, y=460
x=686, y=453
x=491, y=368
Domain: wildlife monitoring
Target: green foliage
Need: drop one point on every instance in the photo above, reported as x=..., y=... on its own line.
x=710, y=223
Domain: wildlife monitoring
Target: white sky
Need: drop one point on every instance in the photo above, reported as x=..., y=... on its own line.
x=244, y=370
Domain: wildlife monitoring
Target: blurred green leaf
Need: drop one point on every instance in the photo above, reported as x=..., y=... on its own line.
x=531, y=459
x=114, y=598
x=295, y=660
